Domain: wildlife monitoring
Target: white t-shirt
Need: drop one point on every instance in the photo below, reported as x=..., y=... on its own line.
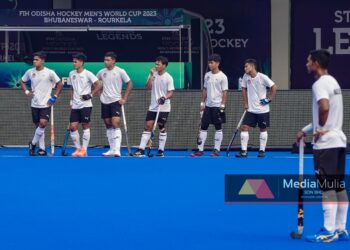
x=215, y=84
x=326, y=87
x=112, y=81
x=256, y=90
x=161, y=84
x=81, y=83
x=42, y=83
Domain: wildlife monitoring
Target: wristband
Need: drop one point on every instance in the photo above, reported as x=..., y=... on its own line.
x=27, y=92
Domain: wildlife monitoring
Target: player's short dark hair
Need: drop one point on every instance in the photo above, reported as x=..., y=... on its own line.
x=321, y=56
x=80, y=56
x=163, y=60
x=111, y=54
x=252, y=62
x=214, y=58
x=40, y=54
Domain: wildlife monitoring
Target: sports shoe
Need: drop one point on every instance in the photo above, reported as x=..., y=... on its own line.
x=116, y=153
x=76, y=152
x=261, y=154
x=82, y=152
x=343, y=235
x=139, y=153
x=215, y=153
x=242, y=154
x=108, y=153
x=197, y=154
x=160, y=153
x=31, y=150
x=41, y=152
x=323, y=236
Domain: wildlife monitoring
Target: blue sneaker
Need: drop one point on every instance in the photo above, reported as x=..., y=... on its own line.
x=343, y=235
x=323, y=236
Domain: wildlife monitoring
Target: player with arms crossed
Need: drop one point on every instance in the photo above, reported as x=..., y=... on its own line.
x=42, y=81
x=162, y=85
x=329, y=144
x=256, y=102
x=112, y=78
x=213, y=100
x=82, y=81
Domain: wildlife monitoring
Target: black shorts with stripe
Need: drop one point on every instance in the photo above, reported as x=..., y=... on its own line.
x=213, y=115
x=252, y=119
x=110, y=110
x=41, y=113
x=329, y=165
x=81, y=115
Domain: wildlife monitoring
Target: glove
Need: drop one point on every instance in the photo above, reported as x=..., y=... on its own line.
x=265, y=101
x=222, y=108
x=86, y=97
x=161, y=100
x=52, y=100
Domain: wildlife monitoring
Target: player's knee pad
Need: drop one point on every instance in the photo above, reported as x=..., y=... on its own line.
x=218, y=126
x=161, y=127
x=205, y=126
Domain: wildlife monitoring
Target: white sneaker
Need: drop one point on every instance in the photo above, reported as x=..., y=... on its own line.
x=109, y=153
x=116, y=153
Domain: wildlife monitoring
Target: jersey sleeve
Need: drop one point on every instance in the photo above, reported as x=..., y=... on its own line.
x=244, y=82
x=99, y=75
x=171, y=84
x=267, y=81
x=206, y=78
x=54, y=77
x=26, y=76
x=224, y=83
x=125, y=76
x=319, y=91
x=92, y=78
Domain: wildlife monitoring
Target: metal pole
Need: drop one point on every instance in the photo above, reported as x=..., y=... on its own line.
x=18, y=42
x=6, y=46
x=189, y=44
x=201, y=53
x=180, y=56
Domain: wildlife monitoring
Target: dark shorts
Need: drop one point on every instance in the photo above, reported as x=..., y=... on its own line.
x=162, y=119
x=110, y=110
x=262, y=120
x=41, y=113
x=212, y=115
x=329, y=165
x=80, y=115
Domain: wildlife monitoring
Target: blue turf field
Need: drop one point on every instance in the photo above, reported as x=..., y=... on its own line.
x=167, y=203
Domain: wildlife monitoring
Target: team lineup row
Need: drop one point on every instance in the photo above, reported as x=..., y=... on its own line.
x=108, y=84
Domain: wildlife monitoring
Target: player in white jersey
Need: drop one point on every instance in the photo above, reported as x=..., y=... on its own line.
x=42, y=81
x=82, y=82
x=329, y=144
x=256, y=102
x=213, y=101
x=112, y=78
x=161, y=84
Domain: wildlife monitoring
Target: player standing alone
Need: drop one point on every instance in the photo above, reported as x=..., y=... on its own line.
x=256, y=102
x=162, y=85
x=112, y=78
x=213, y=100
x=329, y=146
x=82, y=81
x=42, y=81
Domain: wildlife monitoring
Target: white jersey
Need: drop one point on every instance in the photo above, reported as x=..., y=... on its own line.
x=42, y=83
x=328, y=88
x=112, y=81
x=256, y=90
x=161, y=84
x=215, y=84
x=81, y=83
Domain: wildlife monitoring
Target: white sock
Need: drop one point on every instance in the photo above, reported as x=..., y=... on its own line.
x=203, y=136
x=117, y=138
x=42, y=142
x=263, y=140
x=144, y=139
x=218, y=139
x=38, y=134
x=244, y=140
x=342, y=211
x=109, y=137
x=162, y=140
x=75, y=138
x=86, y=138
x=330, y=206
